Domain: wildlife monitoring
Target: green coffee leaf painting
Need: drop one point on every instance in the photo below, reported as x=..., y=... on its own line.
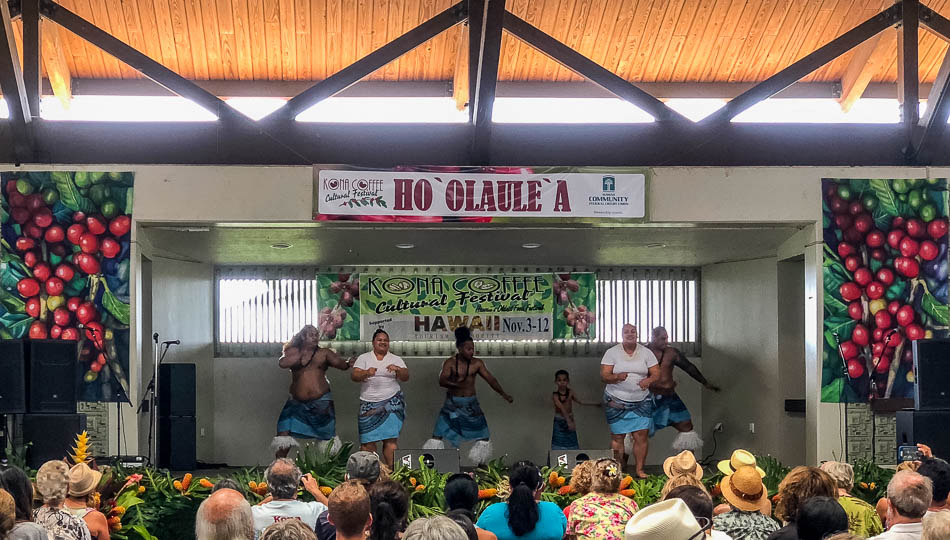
x=69, y=193
x=113, y=305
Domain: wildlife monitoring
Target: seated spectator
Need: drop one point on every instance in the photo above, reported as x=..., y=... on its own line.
x=349, y=511
x=282, y=477
x=602, y=513
x=799, y=485
x=288, y=529
x=682, y=480
x=363, y=467
x=461, y=519
x=669, y=519
x=434, y=528
x=83, y=482
x=224, y=515
x=18, y=485
x=7, y=513
x=700, y=504
x=862, y=517
x=845, y=536
x=908, y=496
x=580, y=483
x=461, y=495
x=748, y=517
x=938, y=471
x=523, y=516
x=52, y=483
x=819, y=517
x=228, y=483
x=936, y=526
x=389, y=505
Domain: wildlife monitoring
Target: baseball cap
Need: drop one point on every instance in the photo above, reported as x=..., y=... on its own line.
x=363, y=466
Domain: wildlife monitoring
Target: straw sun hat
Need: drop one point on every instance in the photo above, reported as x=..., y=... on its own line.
x=682, y=463
x=744, y=490
x=739, y=458
x=83, y=480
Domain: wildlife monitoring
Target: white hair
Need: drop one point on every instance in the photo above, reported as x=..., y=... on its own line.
x=434, y=528
x=237, y=524
x=936, y=525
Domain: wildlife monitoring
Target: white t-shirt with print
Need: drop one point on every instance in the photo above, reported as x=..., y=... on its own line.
x=383, y=385
x=274, y=511
x=635, y=365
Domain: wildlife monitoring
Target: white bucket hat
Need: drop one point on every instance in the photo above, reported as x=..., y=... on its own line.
x=666, y=520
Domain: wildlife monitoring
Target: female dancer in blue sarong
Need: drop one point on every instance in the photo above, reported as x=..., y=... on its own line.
x=382, y=403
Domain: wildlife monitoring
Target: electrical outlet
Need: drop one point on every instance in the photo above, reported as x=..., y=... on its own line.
x=202, y=432
x=751, y=427
x=718, y=427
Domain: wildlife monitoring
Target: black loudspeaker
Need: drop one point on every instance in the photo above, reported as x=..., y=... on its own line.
x=176, y=390
x=928, y=427
x=932, y=368
x=13, y=367
x=50, y=436
x=177, y=443
x=54, y=376
x=571, y=458
x=441, y=460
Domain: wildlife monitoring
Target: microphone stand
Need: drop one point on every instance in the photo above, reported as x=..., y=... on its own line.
x=150, y=399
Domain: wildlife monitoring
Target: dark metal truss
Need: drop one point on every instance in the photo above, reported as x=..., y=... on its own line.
x=279, y=139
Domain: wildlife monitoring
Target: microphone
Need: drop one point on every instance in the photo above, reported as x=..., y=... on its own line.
x=155, y=337
x=172, y=342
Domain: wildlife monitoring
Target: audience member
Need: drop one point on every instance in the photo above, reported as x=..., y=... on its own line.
x=349, y=511
x=80, y=500
x=7, y=513
x=282, y=477
x=863, y=520
x=936, y=526
x=288, y=529
x=224, y=515
x=938, y=471
x=819, y=517
x=700, y=504
x=681, y=480
x=227, y=483
x=580, y=483
x=749, y=506
x=52, y=484
x=389, y=504
x=799, y=485
x=682, y=470
x=18, y=485
x=845, y=536
x=523, y=517
x=602, y=513
x=462, y=520
x=363, y=467
x=461, y=495
x=908, y=496
x=434, y=528
x=670, y=519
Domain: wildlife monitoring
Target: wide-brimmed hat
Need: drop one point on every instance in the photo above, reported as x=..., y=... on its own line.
x=682, y=463
x=83, y=480
x=52, y=481
x=667, y=520
x=739, y=458
x=744, y=490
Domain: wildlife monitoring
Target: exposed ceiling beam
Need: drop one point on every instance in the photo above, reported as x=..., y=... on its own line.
x=935, y=22
x=933, y=124
x=865, y=63
x=908, y=82
x=54, y=60
x=32, y=71
x=589, y=69
x=795, y=72
x=351, y=74
x=460, y=91
x=491, y=16
x=14, y=6
x=14, y=91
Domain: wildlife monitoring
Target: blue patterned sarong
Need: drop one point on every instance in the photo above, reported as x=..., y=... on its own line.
x=382, y=420
x=315, y=419
x=668, y=410
x=461, y=419
x=563, y=438
x=628, y=416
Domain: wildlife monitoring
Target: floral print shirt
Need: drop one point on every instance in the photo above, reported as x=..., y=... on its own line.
x=599, y=516
x=60, y=524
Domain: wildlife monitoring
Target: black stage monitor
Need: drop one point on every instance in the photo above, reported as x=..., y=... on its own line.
x=443, y=461
x=932, y=369
x=571, y=458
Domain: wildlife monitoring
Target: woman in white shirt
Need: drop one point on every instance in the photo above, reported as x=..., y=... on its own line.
x=628, y=369
x=382, y=404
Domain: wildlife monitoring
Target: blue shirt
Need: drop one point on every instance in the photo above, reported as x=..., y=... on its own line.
x=550, y=526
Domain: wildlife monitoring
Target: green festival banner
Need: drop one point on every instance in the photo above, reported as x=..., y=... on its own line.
x=430, y=307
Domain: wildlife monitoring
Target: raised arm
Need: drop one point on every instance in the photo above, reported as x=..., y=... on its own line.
x=290, y=359
x=680, y=361
x=335, y=360
x=493, y=382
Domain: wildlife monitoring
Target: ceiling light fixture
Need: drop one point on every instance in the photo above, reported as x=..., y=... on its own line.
x=531, y=245
x=405, y=245
x=281, y=245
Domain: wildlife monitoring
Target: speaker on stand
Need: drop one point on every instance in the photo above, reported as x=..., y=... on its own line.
x=177, y=448
x=927, y=422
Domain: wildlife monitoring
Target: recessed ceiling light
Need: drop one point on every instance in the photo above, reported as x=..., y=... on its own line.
x=656, y=245
x=405, y=245
x=531, y=245
x=281, y=245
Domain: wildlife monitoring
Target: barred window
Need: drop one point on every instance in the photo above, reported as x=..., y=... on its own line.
x=259, y=308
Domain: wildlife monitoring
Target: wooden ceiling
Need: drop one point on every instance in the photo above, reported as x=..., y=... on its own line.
x=642, y=41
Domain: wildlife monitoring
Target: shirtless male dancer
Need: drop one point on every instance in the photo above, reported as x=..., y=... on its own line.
x=461, y=417
x=309, y=412
x=669, y=409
